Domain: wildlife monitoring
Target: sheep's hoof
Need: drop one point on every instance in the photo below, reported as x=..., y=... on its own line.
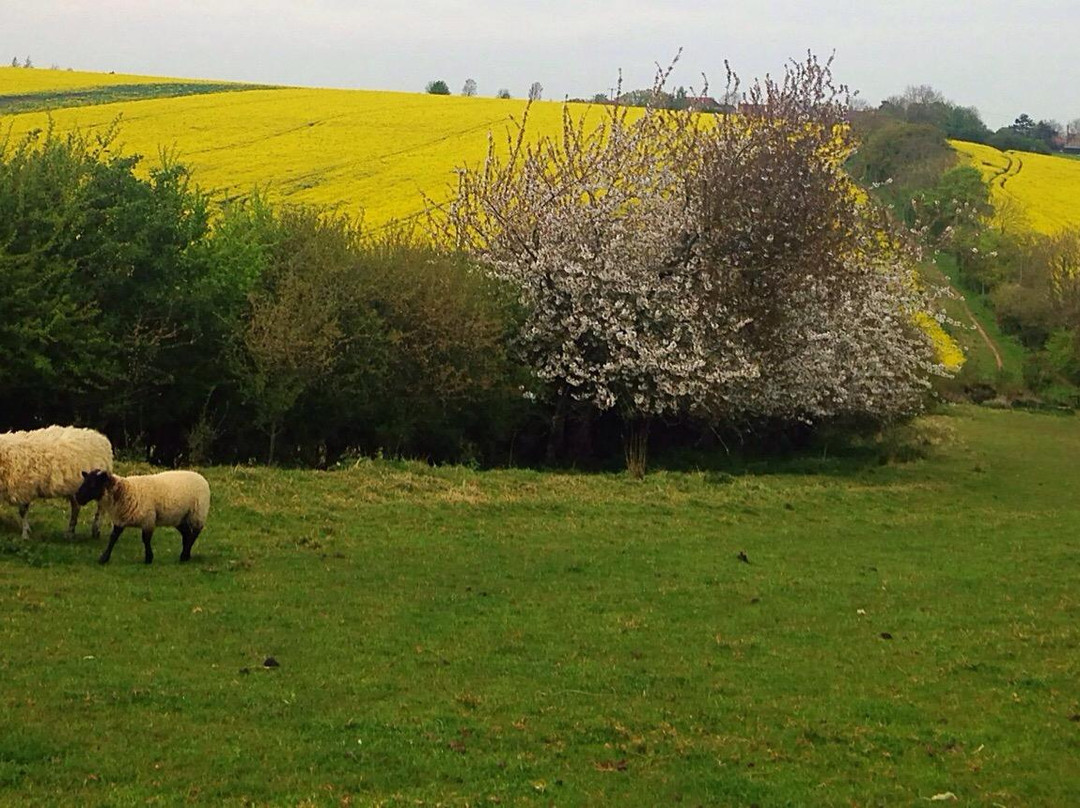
x=103, y=559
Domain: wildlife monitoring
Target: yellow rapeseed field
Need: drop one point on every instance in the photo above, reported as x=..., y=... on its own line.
x=1038, y=191
x=358, y=150
x=21, y=80
x=363, y=152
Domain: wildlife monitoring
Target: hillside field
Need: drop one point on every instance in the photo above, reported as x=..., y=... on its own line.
x=1038, y=191
x=359, y=151
x=379, y=153
x=893, y=632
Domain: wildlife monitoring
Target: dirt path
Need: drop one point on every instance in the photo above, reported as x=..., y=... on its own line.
x=982, y=333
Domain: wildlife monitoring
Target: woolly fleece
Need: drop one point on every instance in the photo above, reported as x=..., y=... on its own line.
x=158, y=500
x=46, y=463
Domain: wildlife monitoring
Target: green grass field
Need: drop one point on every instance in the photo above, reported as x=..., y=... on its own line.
x=50, y=99
x=980, y=365
x=900, y=631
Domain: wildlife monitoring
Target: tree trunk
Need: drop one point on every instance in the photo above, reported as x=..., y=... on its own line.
x=557, y=436
x=636, y=444
x=273, y=442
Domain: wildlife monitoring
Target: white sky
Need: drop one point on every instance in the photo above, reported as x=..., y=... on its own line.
x=1002, y=56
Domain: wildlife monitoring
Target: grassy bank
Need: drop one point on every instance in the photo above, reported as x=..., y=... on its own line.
x=445, y=636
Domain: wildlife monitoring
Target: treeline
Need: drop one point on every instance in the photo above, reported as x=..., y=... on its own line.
x=188, y=333
x=728, y=282
x=923, y=105
x=1030, y=281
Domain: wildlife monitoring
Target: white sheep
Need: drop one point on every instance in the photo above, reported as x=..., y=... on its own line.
x=46, y=463
x=179, y=499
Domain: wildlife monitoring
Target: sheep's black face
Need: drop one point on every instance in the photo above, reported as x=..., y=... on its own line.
x=93, y=486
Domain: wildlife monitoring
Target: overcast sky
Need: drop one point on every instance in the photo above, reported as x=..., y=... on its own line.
x=1002, y=56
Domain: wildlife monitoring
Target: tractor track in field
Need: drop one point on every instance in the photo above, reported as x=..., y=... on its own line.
x=1014, y=167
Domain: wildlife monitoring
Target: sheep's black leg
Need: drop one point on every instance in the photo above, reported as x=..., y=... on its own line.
x=116, y=531
x=147, y=534
x=74, y=520
x=95, y=530
x=24, y=507
x=189, y=535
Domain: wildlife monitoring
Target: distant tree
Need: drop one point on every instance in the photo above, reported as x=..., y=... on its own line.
x=922, y=104
x=27, y=63
x=964, y=123
x=503, y=93
x=650, y=97
x=437, y=87
x=1072, y=128
x=1024, y=125
x=915, y=95
x=1049, y=132
x=1007, y=138
x=536, y=91
x=14, y=61
x=600, y=98
x=469, y=89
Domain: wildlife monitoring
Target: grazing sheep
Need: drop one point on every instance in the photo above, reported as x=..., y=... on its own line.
x=46, y=463
x=179, y=499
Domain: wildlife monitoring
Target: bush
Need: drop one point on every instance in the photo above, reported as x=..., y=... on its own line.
x=1007, y=139
x=187, y=335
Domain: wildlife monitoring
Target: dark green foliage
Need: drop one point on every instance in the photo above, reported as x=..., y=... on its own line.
x=94, y=259
x=127, y=304
x=964, y=123
x=959, y=199
x=898, y=160
x=925, y=105
x=437, y=87
x=1008, y=138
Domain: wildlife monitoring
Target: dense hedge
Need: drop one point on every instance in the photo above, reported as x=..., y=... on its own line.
x=187, y=334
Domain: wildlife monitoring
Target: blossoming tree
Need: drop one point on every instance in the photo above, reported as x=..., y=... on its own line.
x=673, y=262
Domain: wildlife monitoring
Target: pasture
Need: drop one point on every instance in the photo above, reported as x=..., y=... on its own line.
x=893, y=631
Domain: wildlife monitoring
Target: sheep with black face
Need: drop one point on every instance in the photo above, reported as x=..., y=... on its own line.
x=179, y=499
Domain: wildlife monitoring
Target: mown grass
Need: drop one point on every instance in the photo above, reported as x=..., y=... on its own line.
x=445, y=636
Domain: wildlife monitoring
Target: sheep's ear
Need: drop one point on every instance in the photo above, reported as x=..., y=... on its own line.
x=85, y=475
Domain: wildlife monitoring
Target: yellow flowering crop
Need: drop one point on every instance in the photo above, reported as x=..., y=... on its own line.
x=946, y=349
x=1043, y=191
x=360, y=151
x=22, y=80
